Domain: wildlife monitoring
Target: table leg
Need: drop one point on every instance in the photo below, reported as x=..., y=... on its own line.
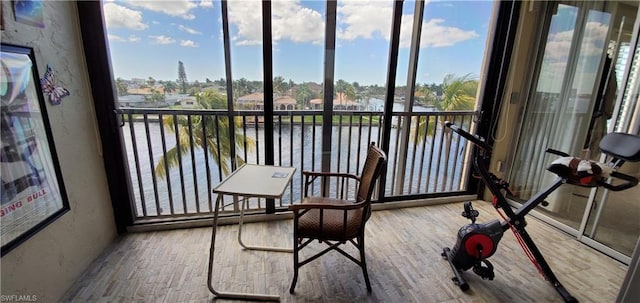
x=228, y=295
x=263, y=248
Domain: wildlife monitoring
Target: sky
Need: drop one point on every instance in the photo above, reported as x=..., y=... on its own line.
x=148, y=38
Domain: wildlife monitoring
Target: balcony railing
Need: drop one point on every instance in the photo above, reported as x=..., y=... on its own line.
x=170, y=182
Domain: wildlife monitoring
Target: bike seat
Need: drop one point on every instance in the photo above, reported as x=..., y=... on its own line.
x=580, y=172
x=621, y=145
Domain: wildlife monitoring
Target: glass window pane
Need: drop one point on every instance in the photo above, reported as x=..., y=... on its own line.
x=162, y=52
x=298, y=52
x=298, y=33
x=362, y=50
x=245, y=31
x=169, y=55
x=363, y=30
x=451, y=53
x=452, y=49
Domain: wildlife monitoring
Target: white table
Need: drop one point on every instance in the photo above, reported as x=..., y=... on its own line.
x=249, y=181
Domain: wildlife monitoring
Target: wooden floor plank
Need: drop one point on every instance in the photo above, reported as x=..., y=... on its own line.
x=403, y=257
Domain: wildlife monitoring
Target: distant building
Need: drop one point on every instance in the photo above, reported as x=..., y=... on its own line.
x=176, y=99
x=188, y=102
x=146, y=90
x=131, y=100
x=214, y=86
x=140, y=100
x=316, y=103
x=137, y=82
x=313, y=87
x=284, y=103
x=341, y=102
x=253, y=101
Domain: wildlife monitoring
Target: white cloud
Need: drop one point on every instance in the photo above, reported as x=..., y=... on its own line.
x=246, y=16
x=290, y=21
x=557, y=49
x=206, y=3
x=356, y=20
x=367, y=20
x=116, y=38
x=162, y=39
x=120, y=16
x=559, y=44
x=188, y=30
x=436, y=35
x=133, y=38
x=188, y=43
x=596, y=38
x=176, y=8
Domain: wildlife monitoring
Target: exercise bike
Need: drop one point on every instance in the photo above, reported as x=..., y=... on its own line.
x=475, y=242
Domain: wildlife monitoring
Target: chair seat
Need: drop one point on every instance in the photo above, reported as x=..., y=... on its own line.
x=333, y=221
x=336, y=222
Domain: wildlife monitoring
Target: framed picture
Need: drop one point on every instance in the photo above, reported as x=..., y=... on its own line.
x=32, y=193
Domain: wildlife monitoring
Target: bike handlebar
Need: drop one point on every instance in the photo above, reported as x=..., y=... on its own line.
x=481, y=143
x=630, y=182
x=475, y=139
x=557, y=152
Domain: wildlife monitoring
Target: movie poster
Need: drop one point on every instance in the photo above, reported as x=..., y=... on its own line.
x=31, y=192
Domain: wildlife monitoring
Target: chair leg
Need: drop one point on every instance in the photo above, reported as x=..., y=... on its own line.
x=363, y=263
x=296, y=249
x=295, y=274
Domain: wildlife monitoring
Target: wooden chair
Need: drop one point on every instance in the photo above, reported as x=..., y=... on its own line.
x=336, y=221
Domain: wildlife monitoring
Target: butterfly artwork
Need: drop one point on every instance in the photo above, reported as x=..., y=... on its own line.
x=56, y=93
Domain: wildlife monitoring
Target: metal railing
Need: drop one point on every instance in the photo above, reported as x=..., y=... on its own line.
x=170, y=182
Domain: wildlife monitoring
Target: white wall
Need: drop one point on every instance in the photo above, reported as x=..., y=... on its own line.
x=48, y=263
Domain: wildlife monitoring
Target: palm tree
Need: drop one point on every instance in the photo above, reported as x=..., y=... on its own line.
x=241, y=87
x=151, y=81
x=345, y=88
x=459, y=93
x=155, y=97
x=425, y=95
x=169, y=87
x=303, y=95
x=279, y=86
x=216, y=132
x=212, y=99
x=121, y=86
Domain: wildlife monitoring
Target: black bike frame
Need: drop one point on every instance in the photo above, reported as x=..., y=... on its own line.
x=482, y=154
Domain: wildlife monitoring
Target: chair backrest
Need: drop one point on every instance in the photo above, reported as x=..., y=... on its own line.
x=373, y=167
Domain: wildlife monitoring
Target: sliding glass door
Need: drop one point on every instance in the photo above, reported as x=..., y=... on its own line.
x=611, y=219
x=572, y=102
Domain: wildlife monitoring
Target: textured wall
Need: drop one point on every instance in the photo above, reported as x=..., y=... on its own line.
x=50, y=261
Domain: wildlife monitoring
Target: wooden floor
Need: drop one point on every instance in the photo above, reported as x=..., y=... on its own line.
x=403, y=256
